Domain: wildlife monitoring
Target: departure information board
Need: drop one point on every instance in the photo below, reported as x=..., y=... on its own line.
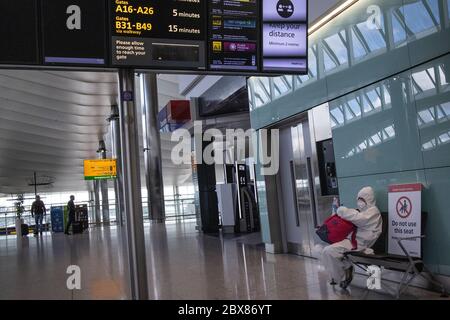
x=233, y=35
x=99, y=169
x=74, y=32
x=156, y=33
x=19, y=32
x=220, y=37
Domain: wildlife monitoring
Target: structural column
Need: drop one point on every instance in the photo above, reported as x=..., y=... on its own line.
x=98, y=217
x=117, y=154
x=132, y=186
x=92, y=206
x=176, y=203
x=104, y=187
x=204, y=178
x=152, y=144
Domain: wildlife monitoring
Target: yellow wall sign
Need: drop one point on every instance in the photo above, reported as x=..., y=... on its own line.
x=100, y=169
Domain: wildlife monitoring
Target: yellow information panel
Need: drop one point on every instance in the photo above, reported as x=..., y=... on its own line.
x=100, y=169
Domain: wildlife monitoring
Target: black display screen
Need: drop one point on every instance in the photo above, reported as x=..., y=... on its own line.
x=233, y=35
x=74, y=32
x=19, y=32
x=165, y=34
x=245, y=37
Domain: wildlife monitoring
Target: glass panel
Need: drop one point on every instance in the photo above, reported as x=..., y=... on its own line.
x=312, y=61
x=445, y=109
x=358, y=49
x=378, y=138
x=312, y=69
x=444, y=79
x=433, y=115
x=409, y=20
x=398, y=28
x=387, y=95
x=250, y=96
x=282, y=85
x=330, y=64
x=337, y=116
x=448, y=10
x=374, y=98
x=353, y=109
x=426, y=117
x=366, y=41
x=335, y=50
x=424, y=81
x=434, y=7
x=377, y=134
x=261, y=87
x=422, y=17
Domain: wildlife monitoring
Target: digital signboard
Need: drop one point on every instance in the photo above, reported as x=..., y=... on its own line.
x=284, y=36
x=74, y=32
x=19, y=32
x=224, y=37
x=233, y=35
x=100, y=169
x=161, y=34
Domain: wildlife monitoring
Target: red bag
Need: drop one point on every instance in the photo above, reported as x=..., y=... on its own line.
x=336, y=229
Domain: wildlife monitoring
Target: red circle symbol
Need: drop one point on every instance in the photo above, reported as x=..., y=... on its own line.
x=404, y=207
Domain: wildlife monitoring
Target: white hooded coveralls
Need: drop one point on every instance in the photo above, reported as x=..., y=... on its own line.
x=369, y=226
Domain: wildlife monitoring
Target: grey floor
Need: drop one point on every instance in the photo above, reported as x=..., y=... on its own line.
x=182, y=264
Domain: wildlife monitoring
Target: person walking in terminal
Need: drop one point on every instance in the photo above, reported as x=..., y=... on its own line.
x=38, y=211
x=71, y=208
x=368, y=221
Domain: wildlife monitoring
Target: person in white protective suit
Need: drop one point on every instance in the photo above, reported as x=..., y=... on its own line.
x=367, y=219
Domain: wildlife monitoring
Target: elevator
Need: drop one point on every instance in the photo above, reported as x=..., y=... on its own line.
x=307, y=178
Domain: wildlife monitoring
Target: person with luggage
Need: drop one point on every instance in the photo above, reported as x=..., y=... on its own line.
x=71, y=209
x=368, y=222
x=38, y=211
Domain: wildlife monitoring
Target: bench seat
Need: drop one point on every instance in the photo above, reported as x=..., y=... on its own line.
x=388, y=261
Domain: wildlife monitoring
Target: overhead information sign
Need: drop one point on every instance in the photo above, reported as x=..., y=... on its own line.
x=99, y=169
x=233, y=35
x=220, y=37
x=19, y=32
x=285, y=46
x=154, y=33
x=74, y=32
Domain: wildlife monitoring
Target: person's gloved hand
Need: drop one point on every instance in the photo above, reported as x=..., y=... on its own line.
x=340, y=211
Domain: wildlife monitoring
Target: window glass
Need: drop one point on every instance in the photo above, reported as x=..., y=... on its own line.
x=335, y=50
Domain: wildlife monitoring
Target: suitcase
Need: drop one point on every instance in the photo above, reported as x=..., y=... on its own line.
x=77, y=227
x=25, y=230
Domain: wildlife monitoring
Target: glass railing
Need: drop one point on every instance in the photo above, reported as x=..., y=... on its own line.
x=176, y=208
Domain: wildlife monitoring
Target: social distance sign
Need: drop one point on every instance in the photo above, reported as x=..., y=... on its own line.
x=282, y=39
x=284, y=35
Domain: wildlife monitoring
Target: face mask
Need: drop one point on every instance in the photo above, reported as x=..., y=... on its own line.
x=361, y=204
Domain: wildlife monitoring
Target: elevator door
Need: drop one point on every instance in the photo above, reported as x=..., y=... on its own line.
x=299, y=194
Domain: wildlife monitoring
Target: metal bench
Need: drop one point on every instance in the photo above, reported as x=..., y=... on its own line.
x=411, y=267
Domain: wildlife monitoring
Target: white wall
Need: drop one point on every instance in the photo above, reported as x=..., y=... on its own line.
x=319, y=7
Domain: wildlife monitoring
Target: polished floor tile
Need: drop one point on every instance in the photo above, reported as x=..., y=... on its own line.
x=181, y=264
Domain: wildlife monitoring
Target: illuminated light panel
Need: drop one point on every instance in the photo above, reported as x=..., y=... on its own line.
x=330, y=16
